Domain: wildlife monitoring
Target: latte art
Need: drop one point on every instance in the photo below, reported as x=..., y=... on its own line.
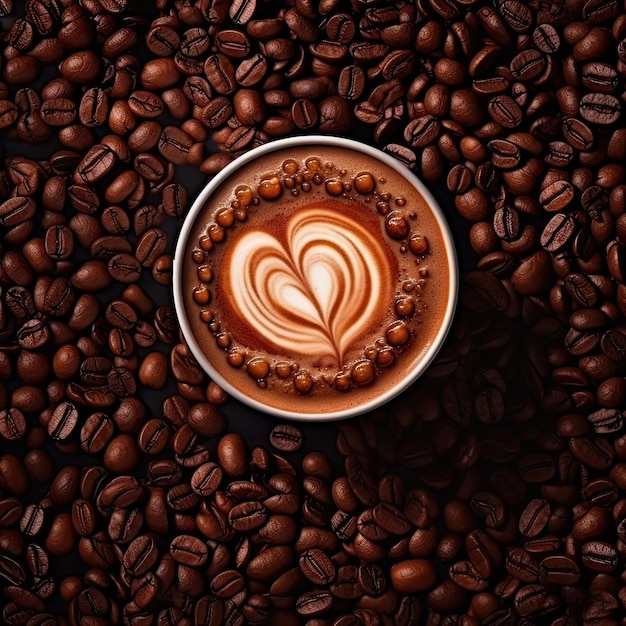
x=315, y=288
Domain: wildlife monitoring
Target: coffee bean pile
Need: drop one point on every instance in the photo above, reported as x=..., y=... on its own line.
x=491, y=493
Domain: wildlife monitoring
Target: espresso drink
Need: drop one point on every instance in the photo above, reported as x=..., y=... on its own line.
x=317, y=279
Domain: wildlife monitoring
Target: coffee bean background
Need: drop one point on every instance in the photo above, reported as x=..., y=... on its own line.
x=133, y=491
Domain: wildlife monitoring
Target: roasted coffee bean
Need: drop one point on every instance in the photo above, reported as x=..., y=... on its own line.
x=216, y=112
x=490, y=507
x=24, y=599
x=505, y=111
x=227, y=584
x=59, y=242
x=599, y=556
x=592, y=451
x=577, y=133
x=140, y=555
x=391, y=519
x=246, y=490
x=17, y=210
x=613, y=344
x=546, y=38
x=593, y=200
x=558, y=232
x=194, y=42
x=150, y=246
x=581, y=289
x=600, y=108
x=162, y=40
x=93, y=107
x=11, y=570
x=286, y=438
x=154, y=436
x=58, y=112
x=124, y=268
x=270, y=562
x=606, y=421
x=181, y=498
x=209, y=610
x=459, y=178
x=314, y=602
x=241, y=11
x=10, y=511
x=96, y=164
x=251, y=71
x=20, y=302
x=344, y=525
x=422, y=131
x=12, y=424
x=189, y=550
x=175, y=145
x=351, y=82
x=464, y=575
x=530, y=599
x=600, y=77
x=108, y=246
x=150, y=167
x=560, y=570
x=579, y=343
x=122, y=491
x=33, y=334
x=247, y=516
x=37, y=560
x=83, y=517
x=220, y=73
x=599, y=491
x=63, y=421
x=483, y=552
x=557, y=196
x=616, y=260
x=95, y=370
x=233, y=43
x=522, y=565
x=206, y=479
x=317, y=567
x=534, y=517
x=58, y=297
x=560, y=154
x=346, y=586
x=304, y=113
x=32, y=520
x=527, y=64
x=232, y=454
x=506, y=223
x=96, y=433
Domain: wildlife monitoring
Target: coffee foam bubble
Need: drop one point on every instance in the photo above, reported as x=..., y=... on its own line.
x=315, y=287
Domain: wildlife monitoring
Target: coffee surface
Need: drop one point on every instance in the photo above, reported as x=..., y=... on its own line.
x=317, y=278
x=313, y=280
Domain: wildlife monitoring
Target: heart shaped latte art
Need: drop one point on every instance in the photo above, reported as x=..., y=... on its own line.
x=317, y=293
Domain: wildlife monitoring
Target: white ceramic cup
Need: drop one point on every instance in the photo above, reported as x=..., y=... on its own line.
x=318, y=143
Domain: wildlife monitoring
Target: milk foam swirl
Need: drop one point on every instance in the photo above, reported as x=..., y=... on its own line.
x=317, y=293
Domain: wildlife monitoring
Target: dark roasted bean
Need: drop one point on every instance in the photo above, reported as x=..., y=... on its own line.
x=317, y=567
x=560, y=570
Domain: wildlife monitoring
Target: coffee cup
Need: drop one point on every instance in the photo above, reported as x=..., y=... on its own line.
x=315, y=278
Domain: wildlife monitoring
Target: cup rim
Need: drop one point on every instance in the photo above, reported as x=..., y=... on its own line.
x=198, y=205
